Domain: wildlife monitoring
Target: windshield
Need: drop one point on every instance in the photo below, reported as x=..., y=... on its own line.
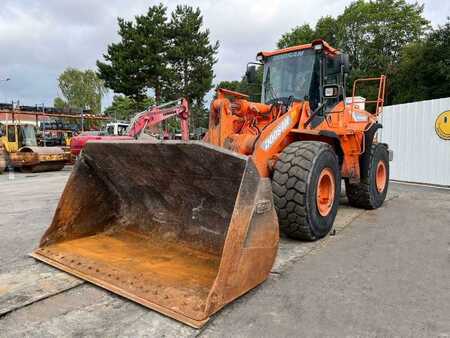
x=28, y=136
x=287, y=75
x=122, y=129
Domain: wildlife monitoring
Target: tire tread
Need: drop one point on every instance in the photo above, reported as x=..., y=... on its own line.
x=290, y=199
x=359, y=194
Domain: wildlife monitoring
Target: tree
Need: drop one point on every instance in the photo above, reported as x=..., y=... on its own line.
x=174, y=58
x=253, y=90
x=191, y=56
x=80, y=90
x=59, y=103
x=201, y=116
x=124, y=107
x=139, y=61
x=373, y=33
x=424, y=68
x=326, y=30
x=297, y=36
x=231, y=85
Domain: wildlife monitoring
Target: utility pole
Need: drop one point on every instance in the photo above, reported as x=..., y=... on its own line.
x=43, y=126
x=82, y=121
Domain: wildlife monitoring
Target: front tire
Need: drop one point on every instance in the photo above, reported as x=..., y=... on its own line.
x=371, y=191
x=306, y=188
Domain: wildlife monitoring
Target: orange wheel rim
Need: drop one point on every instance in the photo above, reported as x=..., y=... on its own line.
x=325, y=192
x=381, y=175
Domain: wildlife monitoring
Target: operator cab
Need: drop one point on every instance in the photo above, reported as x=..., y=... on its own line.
x=27, y=135
x=116, y=129
x=22, y=134
x=313, y=72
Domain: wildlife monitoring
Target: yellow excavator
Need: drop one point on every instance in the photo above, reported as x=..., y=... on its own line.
x=19, y=150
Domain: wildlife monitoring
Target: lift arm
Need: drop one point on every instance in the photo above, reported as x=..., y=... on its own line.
x=156, y=114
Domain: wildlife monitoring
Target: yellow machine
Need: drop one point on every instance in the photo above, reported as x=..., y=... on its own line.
x=2, y=158
x=20, y=150
x=68, y=138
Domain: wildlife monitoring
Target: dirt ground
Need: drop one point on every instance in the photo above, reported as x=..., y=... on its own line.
x=384, y=273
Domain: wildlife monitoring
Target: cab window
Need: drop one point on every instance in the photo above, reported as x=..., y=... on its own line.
x=332, y=77
x=11, y=134
x=122, y=129
x=332, y=73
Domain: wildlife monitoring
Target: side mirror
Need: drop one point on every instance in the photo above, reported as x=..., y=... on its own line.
x=250, y=74
x=330, y=91
x=345, y=62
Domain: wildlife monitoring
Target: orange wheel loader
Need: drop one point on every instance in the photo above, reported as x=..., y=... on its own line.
x=186, y=227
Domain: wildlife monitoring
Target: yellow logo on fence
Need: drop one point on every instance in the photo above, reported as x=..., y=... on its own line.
x=442, y=125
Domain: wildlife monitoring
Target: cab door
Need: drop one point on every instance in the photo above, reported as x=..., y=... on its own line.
x=11, y=139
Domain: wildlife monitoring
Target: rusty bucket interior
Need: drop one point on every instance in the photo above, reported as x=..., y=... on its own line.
x=182, y=228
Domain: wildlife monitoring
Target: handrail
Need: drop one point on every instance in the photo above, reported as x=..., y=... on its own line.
x=381, y=92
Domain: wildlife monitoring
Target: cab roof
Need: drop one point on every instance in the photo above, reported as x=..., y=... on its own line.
x=326, y=46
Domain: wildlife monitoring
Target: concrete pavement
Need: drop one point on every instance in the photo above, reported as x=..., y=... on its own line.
x=384, y=273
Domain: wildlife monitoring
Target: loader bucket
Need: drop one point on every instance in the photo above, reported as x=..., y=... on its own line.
x=182, y=228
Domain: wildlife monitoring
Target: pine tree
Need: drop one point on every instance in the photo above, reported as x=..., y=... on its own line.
x=174, y=58
x=138, y=62
x=191, y=56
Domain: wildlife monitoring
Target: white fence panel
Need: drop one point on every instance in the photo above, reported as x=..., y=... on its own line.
x=420, y=155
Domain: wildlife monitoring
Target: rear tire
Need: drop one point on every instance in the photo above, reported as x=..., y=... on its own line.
x=371, y=191
x=303, y=169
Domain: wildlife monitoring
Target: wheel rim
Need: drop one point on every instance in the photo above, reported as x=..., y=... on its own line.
x=325, y=191
x=381, y=175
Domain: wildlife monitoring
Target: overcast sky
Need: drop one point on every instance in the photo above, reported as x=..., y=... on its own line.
x=40, y=38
